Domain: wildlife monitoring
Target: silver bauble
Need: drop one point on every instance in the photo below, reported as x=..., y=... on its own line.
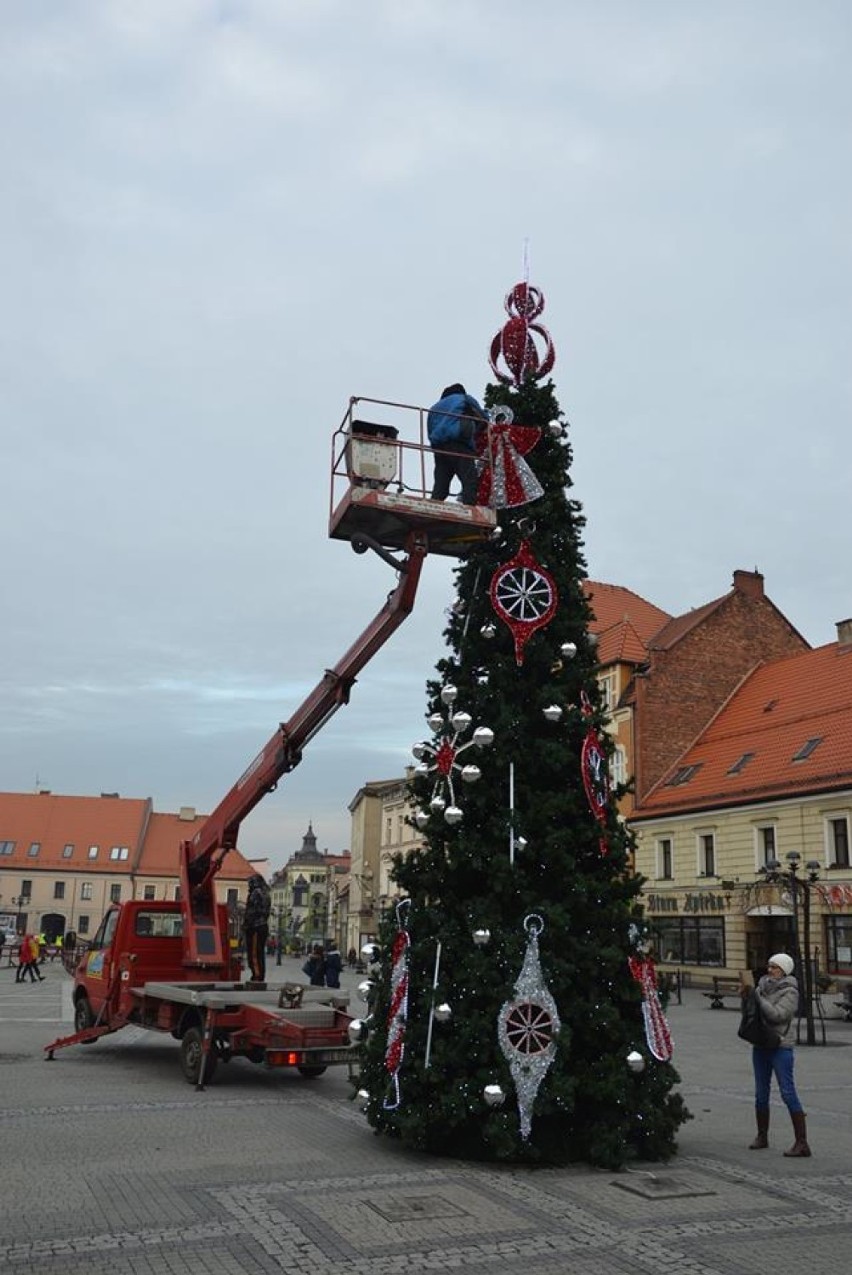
x=593, y=639
x=494, y=1095
x=488, y=630
x=365, y=988
x=356, y=1031
x=443, y=1012
x=481, y=937
x=371, y=953
x=470, y=774
x=555, y=429
x=635, y=1061
x=363, y=1095
x=483, y=737
x=453, y=814
x=449, y=694
x=461, y=720
x=496, y=533
x=437, y=804
x=569, y=650
x=419, y=751
x=521, y=843
x=434, y=721
x=553, y=712
x=421, y=819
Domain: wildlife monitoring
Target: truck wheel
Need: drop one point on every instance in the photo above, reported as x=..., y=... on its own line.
x=191, y=1053
x=310, y=1072
x=83, y=1017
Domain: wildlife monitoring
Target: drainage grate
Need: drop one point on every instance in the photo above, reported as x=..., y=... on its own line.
x=413, y=1208
x=655, y=1186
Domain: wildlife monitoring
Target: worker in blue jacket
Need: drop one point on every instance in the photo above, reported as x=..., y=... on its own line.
x=452, y=424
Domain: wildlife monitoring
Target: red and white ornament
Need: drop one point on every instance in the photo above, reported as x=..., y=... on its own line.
x=515, y=344
x=524, y=596
x=398, y=1009
x=657, y=1032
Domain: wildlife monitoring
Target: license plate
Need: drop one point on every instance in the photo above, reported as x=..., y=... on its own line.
x=330, y=1056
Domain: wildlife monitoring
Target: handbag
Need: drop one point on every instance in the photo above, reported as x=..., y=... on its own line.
x=752, y=1026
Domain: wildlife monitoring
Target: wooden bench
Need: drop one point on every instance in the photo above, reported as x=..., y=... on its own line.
x=722, y=989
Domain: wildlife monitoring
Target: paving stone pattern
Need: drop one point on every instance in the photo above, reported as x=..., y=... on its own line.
x=111, y=1163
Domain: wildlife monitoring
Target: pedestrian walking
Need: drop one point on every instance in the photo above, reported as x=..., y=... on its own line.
x=314, y=967
x=28, y=960
x=777, y=996
x=333, y=965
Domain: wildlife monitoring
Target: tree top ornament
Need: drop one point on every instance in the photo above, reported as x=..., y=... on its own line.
x=515, y=343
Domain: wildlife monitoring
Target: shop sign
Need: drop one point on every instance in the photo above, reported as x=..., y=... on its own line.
x=703, y=902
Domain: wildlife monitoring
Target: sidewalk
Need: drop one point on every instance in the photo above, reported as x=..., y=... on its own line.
x=113, y=1165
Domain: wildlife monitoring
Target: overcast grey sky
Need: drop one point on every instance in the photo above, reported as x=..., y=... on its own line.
x=222, y=219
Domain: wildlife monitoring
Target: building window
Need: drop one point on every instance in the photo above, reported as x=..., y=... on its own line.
x=149, y=893
x=115, y=894
x=767, y=850
x=119, y=852
x=232, y=898
x=177, y=893
x=807, y=748
x=664, y=859
x=618, y=766
x=32, y=853
x=741, y=763
x=839, y=935
x=67, y=851
x=707, y=854
x=82, y=925
x=684, y=774
x=6, y=847
x=59, y=889
x=86, y=890
x=93, y=852
x=837, y=835
x=606, y=684
x=691, y=941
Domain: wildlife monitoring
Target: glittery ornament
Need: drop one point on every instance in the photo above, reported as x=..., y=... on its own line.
x=515, y=343
x=441, y=758
x=508, y=480
x=527, y=1027
x=397, y=1020
x=595, y=774
x=524, y=596
x=657, y=1032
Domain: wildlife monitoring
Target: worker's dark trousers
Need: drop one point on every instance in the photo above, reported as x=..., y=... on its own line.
x=256, y=952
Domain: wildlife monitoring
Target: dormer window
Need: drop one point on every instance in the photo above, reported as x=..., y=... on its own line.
x=741, y=763
x=684, y=775
x=807, y=748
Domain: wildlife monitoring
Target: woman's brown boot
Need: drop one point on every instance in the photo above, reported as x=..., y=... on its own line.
x=761, y=1142
x=800, y=1146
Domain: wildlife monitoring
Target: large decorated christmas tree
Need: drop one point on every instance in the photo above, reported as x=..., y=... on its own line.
x=513, y=1013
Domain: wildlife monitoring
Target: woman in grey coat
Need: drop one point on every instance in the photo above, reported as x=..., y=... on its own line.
x=778, y=997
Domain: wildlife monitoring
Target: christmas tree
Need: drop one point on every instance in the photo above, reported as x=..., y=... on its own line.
x=512, y=1012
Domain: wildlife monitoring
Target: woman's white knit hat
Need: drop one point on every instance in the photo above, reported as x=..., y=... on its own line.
x=783, y=961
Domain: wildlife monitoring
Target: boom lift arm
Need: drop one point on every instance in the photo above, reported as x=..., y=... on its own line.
x=202, y=857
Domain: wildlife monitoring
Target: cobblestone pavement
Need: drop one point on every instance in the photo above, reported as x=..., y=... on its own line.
x=110, y=1162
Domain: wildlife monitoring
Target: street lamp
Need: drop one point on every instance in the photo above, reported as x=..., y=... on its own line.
x=800, y=887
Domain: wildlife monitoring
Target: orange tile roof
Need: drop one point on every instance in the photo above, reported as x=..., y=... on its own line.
x=775, y=710
x=54, y=821
x=163, y=838
x=82, y=822
x=624, y=622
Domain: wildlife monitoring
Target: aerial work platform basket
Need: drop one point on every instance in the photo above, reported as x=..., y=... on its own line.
x=381, y=477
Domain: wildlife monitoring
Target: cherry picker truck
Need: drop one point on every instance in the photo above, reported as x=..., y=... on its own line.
x=168, y=966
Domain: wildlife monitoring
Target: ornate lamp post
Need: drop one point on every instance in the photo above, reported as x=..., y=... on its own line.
x=800, y=889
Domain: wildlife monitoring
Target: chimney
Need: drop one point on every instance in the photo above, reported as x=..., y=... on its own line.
x=844, y=633
x=749, y=583
x=186, y=814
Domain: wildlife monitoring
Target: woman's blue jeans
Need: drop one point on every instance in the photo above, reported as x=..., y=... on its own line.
x=779, y=1061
